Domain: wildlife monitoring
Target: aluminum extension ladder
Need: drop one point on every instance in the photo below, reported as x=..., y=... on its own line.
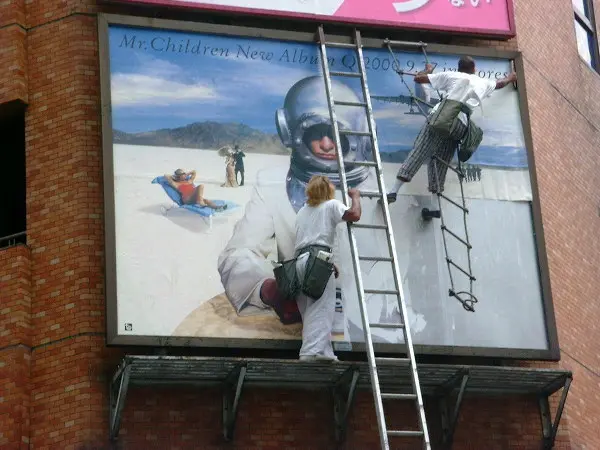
x=416, y=396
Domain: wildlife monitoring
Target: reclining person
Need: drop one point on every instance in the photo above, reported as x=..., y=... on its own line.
x=183, y=182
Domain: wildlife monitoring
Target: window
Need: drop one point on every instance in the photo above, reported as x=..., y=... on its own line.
x=585, y=32
x=12, y=181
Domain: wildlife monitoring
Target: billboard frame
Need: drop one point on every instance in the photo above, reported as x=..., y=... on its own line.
x=181, y=6
x=113, y=338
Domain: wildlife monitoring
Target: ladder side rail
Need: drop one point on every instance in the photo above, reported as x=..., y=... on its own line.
x=356, y=263
x=392, y=244
x=464, y=202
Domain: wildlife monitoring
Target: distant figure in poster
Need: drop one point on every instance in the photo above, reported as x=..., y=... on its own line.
x=303, y=124
x=183, y=182
x=230, y=178
x=316, y=225
x=239, y=163
x=463, y=86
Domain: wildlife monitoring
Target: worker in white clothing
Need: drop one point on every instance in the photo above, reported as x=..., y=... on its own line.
x=316, y=225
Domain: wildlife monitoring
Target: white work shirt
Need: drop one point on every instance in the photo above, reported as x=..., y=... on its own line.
x=463, y=87
x=315, y=225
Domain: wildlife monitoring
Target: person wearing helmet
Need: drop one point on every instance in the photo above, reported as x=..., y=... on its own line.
x=304, y=126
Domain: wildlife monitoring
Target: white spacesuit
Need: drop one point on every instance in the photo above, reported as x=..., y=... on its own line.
x=279, y=194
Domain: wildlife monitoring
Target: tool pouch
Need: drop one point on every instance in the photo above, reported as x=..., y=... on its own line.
x=286, y=278
x=444, y=120
x=317, y=275
x=470, y=142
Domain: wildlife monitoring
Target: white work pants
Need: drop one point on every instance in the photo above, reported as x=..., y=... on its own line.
x=317, y=317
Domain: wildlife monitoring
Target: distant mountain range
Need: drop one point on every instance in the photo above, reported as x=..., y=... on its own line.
x=206, y=135
x=214, y=135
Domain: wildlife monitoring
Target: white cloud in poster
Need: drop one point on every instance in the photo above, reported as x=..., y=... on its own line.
x=141, y=89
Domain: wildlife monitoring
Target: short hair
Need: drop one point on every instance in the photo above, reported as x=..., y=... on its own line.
x=466, y=64
x=319, y=190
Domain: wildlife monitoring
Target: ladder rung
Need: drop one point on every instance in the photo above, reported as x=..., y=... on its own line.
x=345, y=74
x=404, y=44
x=365, y=163
x=382, y=291
x=369, y=194
x=459, y=172
x=375, y=258
x=405, y=433
x=445, y=228
x=343, y=103
x=460, y=268
x=355, y=133
x=369, y=225
x=393, y=361
x=399, y=396
x=340, y=45
x=454, y=203
x=386, y=325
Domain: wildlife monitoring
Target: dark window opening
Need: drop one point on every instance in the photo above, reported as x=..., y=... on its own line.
x=12, y=176
x=585, y=32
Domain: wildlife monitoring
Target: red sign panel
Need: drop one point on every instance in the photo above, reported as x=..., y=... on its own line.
x=481, y=17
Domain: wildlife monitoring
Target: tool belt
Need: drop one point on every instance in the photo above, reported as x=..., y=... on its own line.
x=445, y=121
x=318, y=271
x=317, y=274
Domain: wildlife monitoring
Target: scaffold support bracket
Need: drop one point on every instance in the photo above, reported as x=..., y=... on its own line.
x=343, y=399
x=117, y=393
x=232, y=391
x=449, y=417
x=549, y=427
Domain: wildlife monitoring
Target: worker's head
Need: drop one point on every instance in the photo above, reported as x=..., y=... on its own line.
x=466, y=64
x=319, y=190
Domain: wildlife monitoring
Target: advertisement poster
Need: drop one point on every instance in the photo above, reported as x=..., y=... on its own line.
x=190, y=264
x=482, y=17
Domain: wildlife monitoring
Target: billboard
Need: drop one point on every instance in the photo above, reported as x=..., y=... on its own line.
x=190, y=273
x=479, y=17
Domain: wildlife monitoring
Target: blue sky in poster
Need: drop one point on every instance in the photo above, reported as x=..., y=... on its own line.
x=168, y=79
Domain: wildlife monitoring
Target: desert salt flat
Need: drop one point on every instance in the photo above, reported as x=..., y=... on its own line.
x=173, y=257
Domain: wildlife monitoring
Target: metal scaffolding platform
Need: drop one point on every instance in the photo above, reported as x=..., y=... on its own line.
x=441, y=382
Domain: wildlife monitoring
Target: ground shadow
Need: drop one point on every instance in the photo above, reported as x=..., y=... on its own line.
x=184, y=218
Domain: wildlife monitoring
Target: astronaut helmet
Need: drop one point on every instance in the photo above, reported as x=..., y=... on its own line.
x=304, y=121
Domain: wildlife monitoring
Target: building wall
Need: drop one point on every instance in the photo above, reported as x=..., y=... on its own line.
x=54, y=365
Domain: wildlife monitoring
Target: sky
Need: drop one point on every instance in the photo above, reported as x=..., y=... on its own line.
x=167, y=79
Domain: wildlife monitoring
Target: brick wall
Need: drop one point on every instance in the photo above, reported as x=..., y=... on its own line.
x=15, y=346
x=13, y=57
x=54, y=366
x=564, y=102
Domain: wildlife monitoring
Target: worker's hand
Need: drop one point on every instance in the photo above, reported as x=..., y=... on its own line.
x=285, y=308
x=336, y=271
x=353, y=193
x=513, y=77
x=429, y=68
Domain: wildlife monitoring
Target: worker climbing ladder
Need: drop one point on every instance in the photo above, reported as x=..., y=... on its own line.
x=466, y=298
x=373, y=361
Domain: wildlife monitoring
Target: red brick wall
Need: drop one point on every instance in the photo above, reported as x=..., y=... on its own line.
x=15, y=346
x=54, y=366
x=564, y=102
x=13, y=57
